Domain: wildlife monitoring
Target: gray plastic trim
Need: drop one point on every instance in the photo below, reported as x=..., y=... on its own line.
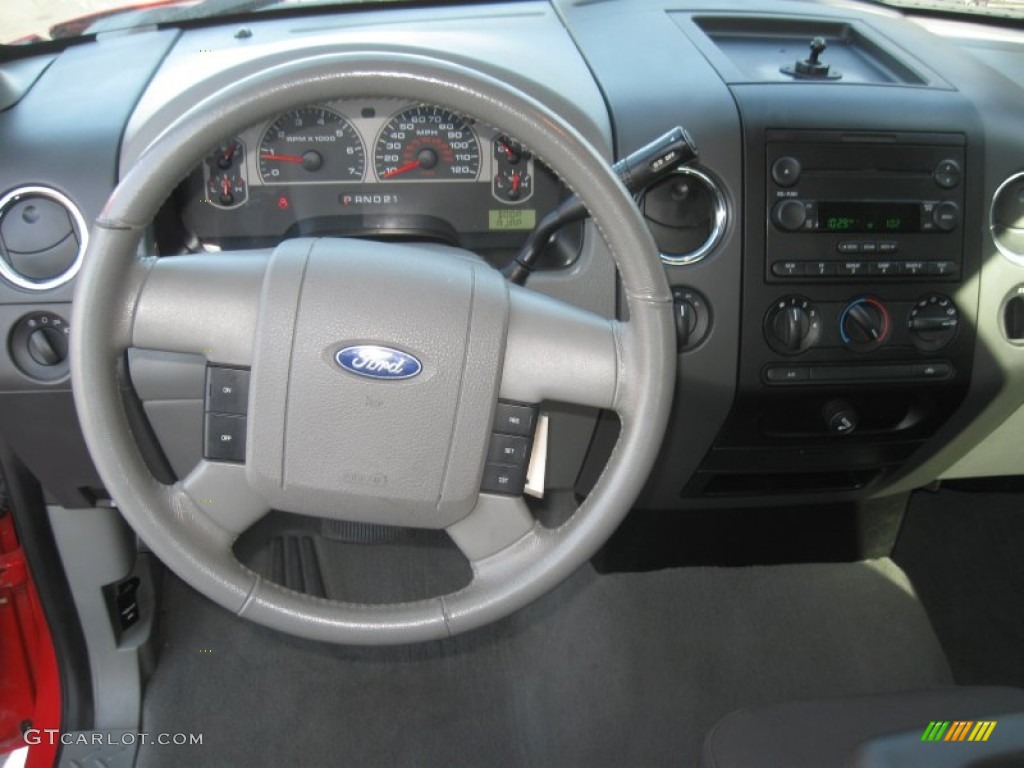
x=719, y=223
x=97, y=548
x=11, y=275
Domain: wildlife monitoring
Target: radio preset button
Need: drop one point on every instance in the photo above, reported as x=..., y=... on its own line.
x=942, y=268
x=883, y=268
x=787, y=268
x=852, y=268
x=912, y=268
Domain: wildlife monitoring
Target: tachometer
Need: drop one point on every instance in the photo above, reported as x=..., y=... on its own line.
x=311, y=144
x=427, y=143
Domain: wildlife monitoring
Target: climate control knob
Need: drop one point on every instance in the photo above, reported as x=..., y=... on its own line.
x=792, y=326
x=933, y=322
x=864, y=324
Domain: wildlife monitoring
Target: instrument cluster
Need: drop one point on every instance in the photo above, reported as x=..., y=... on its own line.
x=368, y=167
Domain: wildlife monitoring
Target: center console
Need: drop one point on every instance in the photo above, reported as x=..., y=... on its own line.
x=857, y=338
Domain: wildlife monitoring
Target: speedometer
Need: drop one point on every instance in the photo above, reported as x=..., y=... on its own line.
x=311, y=144
x=427, y=143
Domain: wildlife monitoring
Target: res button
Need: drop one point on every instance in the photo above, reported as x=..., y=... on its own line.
x=513, y=419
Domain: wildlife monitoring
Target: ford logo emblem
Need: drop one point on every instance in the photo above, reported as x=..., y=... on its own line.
x=376, y=362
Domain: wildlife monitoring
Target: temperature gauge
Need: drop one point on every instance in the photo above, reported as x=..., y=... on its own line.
x=513, y=185
x=226, y=190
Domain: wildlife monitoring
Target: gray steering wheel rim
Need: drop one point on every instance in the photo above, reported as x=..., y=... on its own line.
x=199, y=550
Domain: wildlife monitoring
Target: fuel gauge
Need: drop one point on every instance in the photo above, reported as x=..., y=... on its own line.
x=513, y=185
x=507, y=151
x=227, y=155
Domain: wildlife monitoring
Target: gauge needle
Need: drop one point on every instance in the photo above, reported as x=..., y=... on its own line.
x=227, y=186
x=282, y=158
x=402, y=169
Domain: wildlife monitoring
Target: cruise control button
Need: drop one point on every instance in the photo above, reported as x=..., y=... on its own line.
x=508, y=449
x=499, y=478
x=513, y=419
x=227, y=390
x=224, y=437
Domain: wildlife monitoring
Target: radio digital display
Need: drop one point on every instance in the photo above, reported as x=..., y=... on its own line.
x=869, y=217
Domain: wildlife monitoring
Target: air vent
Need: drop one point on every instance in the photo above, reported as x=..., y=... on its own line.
x=686, y=213
x=1006, y=218
x=42, y=238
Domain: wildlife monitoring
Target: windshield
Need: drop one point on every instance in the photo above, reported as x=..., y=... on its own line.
x=31, y=21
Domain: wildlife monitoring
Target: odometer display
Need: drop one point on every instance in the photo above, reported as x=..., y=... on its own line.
x=311, y=144
x=427, y=143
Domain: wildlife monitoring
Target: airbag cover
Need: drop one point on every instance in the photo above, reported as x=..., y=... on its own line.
x=327, y=439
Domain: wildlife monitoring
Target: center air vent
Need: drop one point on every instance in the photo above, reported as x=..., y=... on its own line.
x=1007, y=218
x=42, y=238
x=686, y=213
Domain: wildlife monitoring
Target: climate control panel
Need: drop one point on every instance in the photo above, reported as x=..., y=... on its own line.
x=795, y=324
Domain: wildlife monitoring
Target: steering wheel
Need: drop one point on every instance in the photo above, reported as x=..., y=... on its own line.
x=324, y=442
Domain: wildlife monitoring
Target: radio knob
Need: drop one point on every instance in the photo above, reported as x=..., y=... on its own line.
x=790, y=215
x=864, y=324
x=933, y=322
x=792, y=325
x=946, y=216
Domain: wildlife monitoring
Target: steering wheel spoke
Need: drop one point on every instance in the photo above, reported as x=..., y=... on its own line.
x=496, y=522
x=558, y=352
x=204, y=304
x=222, y=492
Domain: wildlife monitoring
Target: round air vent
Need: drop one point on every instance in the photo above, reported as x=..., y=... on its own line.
x=1006, y=218
x=42, y=238
x=686, y=213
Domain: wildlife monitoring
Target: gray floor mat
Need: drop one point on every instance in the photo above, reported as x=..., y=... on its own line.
x=626, y=669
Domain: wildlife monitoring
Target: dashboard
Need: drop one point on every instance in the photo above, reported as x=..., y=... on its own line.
x=846, y=256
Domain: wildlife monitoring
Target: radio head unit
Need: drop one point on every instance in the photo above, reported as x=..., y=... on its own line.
x=887, y=205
